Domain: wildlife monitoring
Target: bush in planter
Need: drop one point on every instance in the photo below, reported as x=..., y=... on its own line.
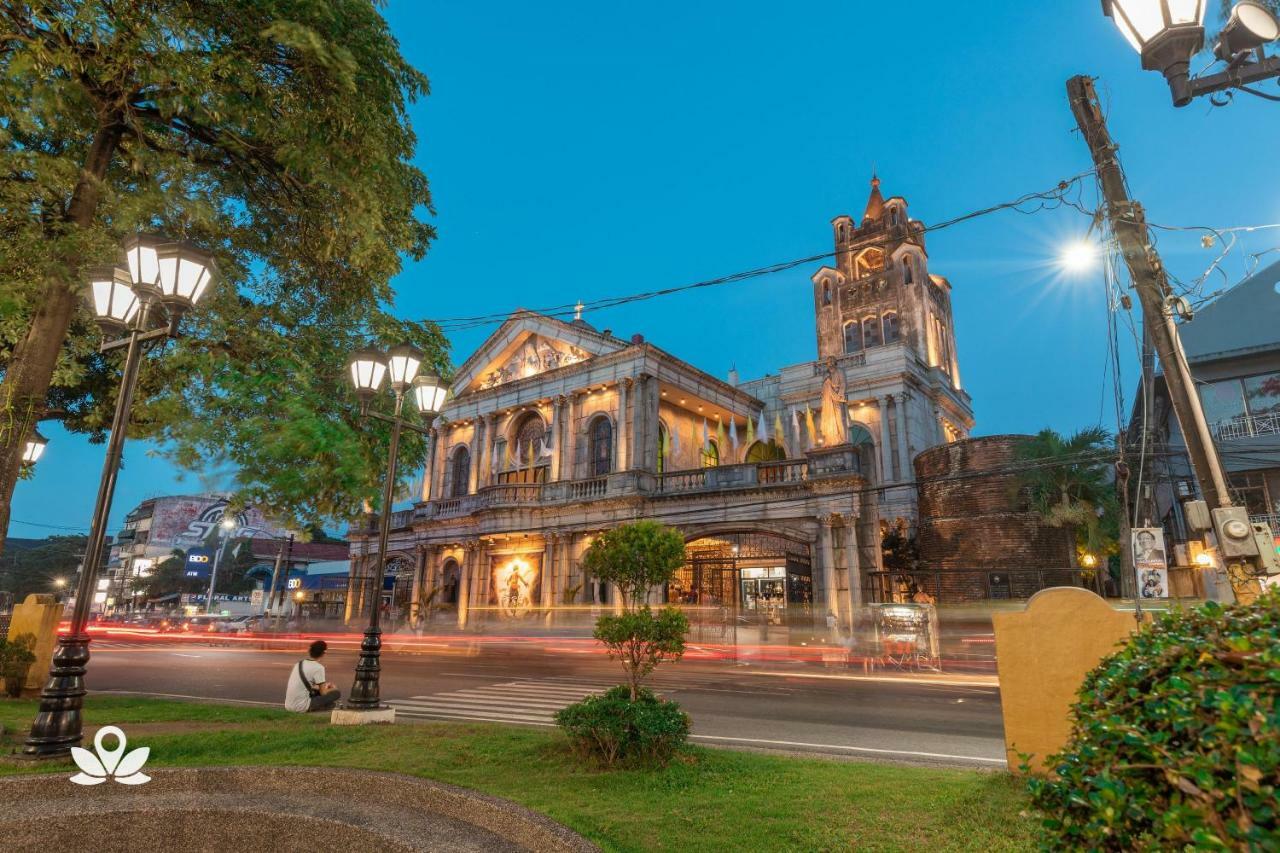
x=16, y=657
x=614, y=728
x=1177, y=739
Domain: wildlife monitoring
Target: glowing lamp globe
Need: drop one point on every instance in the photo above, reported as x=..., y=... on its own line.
x=1166, y=33
x=429, y=393
x=403, y=362
x=185, y=273
x=112, y=298
x=367, y=370
x=34, y=448
x=143, y=264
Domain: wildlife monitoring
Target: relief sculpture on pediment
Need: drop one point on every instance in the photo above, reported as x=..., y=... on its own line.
x=536, y=355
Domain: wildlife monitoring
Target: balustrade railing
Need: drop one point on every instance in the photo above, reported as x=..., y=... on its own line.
x=683, y=481
x=1247, y=426
x=790, y=471
x=580, y=490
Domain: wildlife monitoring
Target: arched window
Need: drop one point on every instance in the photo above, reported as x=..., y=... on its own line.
x=871, y=336
x=908, y=270
x=528, y=463
x=840, y=231
x=890, y=323
x=871, y=261
x=893, y=216
x=853, y=336
x=826, y=293
x=601, y=442
x=766, y=451
x=460, y=472
x=710, y=455
x=664, y=446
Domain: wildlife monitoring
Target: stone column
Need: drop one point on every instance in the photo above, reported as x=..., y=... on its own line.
x=464, y=582
x=940, y=434
x=428, y=472
x=558, y=415
x=548, y=574
x=853, y=563
x=830, y=593
x=886, y=450
x=475, y=448
x=645, y=434
x=621, y=462
x=486, y=463
x=415, y=593
x=570, y=469
x=441, y=460
x=904, y=448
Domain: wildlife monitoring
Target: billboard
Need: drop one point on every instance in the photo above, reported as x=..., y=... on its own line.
x=186, y=521
x=515, y=585
x=199, y=563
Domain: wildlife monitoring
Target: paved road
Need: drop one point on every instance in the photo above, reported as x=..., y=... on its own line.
x=947, y=721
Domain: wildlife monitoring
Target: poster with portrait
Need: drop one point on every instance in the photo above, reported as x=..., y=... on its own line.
x=515, y=585
x=1150, y=562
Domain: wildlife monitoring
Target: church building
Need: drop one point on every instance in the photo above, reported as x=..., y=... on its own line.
x=783, y=486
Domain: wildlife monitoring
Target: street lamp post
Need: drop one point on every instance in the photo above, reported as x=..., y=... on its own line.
x=368, y=368
x=35, y=449
x=146, y=300
x=225, y=528
x=1168, y=33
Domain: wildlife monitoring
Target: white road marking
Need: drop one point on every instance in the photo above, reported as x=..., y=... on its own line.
x=519, y=701
x=1000, y=762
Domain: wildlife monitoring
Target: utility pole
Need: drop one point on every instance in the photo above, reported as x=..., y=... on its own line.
x=1237, y=539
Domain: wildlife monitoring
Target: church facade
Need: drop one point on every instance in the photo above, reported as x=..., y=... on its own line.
x=782, y=486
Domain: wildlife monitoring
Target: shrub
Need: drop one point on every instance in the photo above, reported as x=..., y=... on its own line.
x=614, y=729
x=642, y=640
x=1176, y=741
x=16, y=658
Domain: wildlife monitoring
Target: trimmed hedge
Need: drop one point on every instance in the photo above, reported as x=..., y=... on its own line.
x=613, y=729
x=1177, y=739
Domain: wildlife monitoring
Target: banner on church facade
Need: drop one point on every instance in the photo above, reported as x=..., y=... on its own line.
x=515, y=585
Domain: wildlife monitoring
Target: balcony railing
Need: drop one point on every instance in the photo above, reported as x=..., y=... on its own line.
x=817, y=465
x=1247, y=426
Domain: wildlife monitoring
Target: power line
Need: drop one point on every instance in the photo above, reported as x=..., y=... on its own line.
x=1038, y=201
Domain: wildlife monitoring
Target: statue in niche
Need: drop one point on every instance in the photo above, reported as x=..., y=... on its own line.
x=834, y=424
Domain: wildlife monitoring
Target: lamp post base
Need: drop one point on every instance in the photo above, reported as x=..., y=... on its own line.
x=362, y=716
x=58, y=725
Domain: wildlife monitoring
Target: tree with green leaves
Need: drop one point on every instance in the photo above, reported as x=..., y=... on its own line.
x=1068, y=481
x=636, y=558
x=273, y=132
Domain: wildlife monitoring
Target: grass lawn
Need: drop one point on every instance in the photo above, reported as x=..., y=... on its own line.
x=709, y=799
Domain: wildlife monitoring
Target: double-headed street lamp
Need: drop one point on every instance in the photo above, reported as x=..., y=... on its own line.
x=143, y=301
x=368, y=369
x=1168, y=33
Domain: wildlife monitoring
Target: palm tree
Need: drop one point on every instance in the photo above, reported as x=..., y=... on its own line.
x=1069, y=482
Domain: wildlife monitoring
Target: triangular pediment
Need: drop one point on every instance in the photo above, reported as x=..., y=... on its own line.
x=527, y=345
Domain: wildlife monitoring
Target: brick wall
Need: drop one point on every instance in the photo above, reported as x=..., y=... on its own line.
x=973, y=522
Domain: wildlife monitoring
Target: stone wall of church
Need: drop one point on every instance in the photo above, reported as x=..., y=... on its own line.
x=974, y=519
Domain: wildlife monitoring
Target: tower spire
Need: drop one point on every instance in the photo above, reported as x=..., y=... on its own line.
x=875, y=202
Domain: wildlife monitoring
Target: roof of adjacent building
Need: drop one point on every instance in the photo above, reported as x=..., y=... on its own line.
x=1244, y=320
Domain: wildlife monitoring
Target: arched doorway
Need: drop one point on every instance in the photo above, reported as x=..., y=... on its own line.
x=397, y=591
x=766, y=451
x=450, y=579
x=745, y=587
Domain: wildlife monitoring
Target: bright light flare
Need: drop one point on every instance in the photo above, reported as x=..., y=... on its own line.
x=1080, y=256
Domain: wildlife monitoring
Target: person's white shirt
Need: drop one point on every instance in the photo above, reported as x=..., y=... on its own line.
x=296, y=695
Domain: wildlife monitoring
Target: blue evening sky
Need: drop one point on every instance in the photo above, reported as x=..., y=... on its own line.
x=583, y=150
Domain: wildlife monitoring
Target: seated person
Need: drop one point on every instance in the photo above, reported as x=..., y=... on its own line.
x=308, y=690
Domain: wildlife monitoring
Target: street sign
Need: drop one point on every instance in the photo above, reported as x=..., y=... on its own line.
x=199, y=562
x=255, y=598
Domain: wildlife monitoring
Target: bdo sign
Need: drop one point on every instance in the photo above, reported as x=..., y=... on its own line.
x=199, y=562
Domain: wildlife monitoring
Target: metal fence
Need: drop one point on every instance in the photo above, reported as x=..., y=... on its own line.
x=951, y=586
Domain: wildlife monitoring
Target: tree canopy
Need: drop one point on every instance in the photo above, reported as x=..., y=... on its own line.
x=1069, y=483
x=273, y=132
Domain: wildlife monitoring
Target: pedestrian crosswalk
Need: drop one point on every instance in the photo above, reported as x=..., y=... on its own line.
x=526, y=701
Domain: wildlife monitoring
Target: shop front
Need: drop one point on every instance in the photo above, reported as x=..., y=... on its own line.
x=748, y=587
